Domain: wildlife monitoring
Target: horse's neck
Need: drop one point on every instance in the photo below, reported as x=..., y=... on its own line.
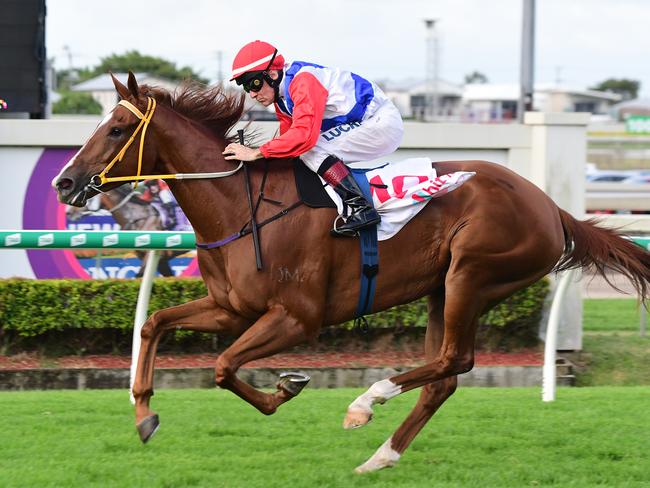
x=214, y=207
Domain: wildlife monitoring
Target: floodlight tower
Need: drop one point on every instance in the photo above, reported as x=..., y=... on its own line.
x=432, y=60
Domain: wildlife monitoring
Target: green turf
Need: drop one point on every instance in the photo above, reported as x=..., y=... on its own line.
x=613, y=353
x=614, y=358
x=480, y=438
x=611, y=314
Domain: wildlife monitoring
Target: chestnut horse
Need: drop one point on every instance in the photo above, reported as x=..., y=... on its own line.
x=466, y=252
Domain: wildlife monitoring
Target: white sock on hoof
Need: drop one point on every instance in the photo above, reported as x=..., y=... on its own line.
x=385, y=457
x=379, y=392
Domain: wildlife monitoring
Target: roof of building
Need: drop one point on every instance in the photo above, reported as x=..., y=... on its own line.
x=491, y=91
x=416, y=86
x=510, y=91
x=642, y=103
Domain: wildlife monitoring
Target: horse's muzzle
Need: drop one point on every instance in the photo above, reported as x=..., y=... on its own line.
x=69, y=191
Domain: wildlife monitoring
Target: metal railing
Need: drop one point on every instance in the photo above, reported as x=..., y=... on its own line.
x=153, y=241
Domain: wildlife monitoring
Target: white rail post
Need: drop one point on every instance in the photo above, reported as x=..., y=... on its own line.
x=549, y=371
x=141, y=312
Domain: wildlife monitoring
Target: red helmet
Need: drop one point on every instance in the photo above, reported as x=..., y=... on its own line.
x=256, y=56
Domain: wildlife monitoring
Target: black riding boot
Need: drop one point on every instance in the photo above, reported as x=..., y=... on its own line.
x=361, y=213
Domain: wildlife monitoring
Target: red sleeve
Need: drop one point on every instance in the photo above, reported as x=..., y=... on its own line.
x=285, y=120
x=309, y=99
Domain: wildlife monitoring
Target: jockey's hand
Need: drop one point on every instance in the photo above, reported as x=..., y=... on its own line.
x=237, y=152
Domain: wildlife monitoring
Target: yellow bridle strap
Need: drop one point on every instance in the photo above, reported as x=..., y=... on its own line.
x=132, y=108
x=144, y=123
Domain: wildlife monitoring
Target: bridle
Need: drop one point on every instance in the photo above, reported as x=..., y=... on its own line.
x=97, y=181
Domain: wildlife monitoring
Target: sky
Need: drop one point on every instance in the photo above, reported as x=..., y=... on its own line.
x=578, y=42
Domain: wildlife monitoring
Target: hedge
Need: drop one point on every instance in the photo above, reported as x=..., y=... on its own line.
x=97, y=315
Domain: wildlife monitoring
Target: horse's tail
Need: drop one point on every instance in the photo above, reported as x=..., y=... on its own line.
x=603, y=249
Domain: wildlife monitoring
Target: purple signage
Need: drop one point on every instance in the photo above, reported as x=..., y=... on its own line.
x=42, y=210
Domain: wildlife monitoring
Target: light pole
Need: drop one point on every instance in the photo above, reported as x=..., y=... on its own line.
x=432, y=59
x=527, y=66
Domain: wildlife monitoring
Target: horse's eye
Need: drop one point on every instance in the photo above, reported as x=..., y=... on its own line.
x=116, y=132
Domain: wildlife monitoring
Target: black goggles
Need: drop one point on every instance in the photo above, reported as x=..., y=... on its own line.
x=253, y=84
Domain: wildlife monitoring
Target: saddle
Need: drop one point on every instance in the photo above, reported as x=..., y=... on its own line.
x=311, y=189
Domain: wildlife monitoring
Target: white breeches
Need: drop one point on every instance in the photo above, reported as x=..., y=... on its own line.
x=377, y=136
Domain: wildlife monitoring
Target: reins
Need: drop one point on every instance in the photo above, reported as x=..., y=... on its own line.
x=245, y=230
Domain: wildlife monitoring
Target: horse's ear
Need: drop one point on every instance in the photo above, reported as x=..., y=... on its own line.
x=133, y=85
x=121, y=89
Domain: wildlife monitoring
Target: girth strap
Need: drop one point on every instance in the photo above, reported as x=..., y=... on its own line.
x=369, y=253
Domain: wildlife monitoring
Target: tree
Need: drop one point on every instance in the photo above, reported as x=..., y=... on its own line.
x=629, y=89
x=476, y=77
x=134, y=61
x=77, y=103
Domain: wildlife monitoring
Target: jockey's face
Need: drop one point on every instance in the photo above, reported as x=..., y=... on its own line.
x=266, y=95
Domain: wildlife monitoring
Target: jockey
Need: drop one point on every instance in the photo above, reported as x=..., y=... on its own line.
x=328, y=117
x=157, y=191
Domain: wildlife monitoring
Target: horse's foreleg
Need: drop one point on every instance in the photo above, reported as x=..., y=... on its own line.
x=274, y=332
x=431, y=398
x=201, y=315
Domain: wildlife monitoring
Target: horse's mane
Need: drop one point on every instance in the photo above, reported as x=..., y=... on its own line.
x=212, y=107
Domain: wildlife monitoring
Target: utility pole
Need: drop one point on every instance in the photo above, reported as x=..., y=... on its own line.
x=432, y=60
x=526, y=76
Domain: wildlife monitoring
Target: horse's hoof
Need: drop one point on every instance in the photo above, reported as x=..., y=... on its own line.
x=356, y=418
x=148, y=427
x=293, y=382
x=385, y=457
x=369, y=466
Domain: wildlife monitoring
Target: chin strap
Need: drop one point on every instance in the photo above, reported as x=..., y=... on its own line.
x=275, y=84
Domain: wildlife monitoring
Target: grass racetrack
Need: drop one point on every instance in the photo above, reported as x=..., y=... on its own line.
x=488, y=437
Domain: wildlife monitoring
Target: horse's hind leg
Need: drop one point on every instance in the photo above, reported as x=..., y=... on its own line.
x=201, y=315
x=464, y=301
x=431, y=398
x=275, y=331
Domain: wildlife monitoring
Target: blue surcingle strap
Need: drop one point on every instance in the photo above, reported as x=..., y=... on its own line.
x=369, y=252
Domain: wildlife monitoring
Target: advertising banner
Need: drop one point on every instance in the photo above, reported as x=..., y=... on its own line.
x=150, y=207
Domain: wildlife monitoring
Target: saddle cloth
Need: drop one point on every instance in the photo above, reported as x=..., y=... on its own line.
x=400, y=190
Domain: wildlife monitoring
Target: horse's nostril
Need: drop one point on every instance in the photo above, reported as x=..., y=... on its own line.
x=64, y=184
